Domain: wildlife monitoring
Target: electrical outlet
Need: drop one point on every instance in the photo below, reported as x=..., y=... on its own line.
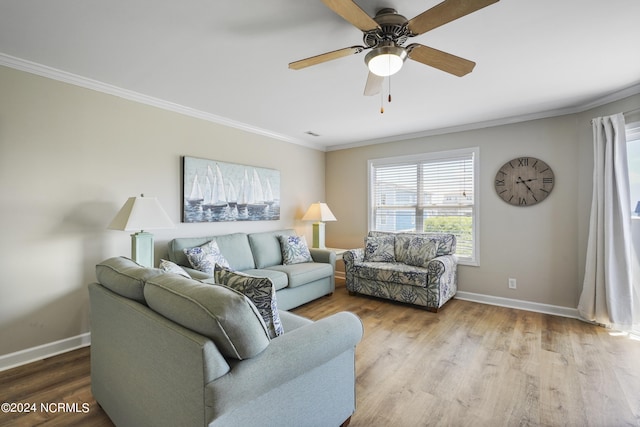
x=512, y=283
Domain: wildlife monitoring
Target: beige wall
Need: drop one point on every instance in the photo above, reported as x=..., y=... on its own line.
x=69, y=158
x=541, y=246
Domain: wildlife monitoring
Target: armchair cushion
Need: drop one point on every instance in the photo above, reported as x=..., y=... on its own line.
x=380, y=248
x=415, y=250
x=395, y=272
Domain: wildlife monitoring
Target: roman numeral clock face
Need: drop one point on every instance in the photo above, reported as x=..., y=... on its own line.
x=524, y=181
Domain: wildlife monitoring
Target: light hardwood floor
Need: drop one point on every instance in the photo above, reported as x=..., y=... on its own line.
x=467, y=365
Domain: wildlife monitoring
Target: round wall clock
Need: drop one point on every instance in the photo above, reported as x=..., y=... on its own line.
x=524, y=181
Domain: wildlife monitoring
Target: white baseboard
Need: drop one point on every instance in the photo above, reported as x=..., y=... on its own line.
x=519, y=304
x=33, y=354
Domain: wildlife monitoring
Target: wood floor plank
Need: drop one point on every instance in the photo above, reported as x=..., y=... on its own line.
x=467, y=365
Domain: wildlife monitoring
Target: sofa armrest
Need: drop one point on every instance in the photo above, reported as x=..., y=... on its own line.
x=323, y=255
x=288, y=356
x=196, y=274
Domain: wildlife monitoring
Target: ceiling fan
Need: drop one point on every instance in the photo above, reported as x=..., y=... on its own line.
x=386, y=34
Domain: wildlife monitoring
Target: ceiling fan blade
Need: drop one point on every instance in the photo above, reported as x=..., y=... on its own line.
x=447, y=11
x=352, y=13
x=441, y=60
x=374, y=84
x=329, y=56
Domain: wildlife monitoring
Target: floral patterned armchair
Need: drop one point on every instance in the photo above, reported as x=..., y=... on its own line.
x=414, y=268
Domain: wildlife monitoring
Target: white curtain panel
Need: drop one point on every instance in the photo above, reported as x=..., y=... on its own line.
x=608, y=295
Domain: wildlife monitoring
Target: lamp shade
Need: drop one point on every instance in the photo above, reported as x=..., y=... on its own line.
x=141, y=213
x=319, y=212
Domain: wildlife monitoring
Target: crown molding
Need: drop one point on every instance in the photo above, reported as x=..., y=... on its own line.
x=87, y=83
x=66, y=77
x=612, y=97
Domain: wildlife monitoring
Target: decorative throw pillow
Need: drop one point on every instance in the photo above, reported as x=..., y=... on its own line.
x=420, y=251
x=294, y=250
x=204, y=258
x=380, y=249
x=172, y=267
x=259, y=290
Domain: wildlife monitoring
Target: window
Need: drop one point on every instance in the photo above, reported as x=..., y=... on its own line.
x=633, y=158
x=430, y=192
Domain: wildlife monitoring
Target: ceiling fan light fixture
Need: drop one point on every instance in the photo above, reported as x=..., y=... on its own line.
x=385, y=60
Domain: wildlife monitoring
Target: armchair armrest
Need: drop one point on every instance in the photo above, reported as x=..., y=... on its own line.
x=441, y=264
x=353, y=255
x=287, y=357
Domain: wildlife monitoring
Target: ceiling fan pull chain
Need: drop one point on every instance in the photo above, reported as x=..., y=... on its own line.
x=381, y=103
x=389, y=88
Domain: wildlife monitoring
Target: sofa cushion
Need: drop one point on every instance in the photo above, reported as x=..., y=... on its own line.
x=259, y=290
x=172, y=267
x=303, y=273
x=125, y=277
x=266, y=248
x=234, y=247
x=395, y=272
x=415, y=249
x=279, y=279
x=294, y=249
x=204, y=258
x=226, y=316
x=380, y=248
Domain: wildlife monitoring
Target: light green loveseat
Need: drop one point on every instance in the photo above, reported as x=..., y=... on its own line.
x=259, y=254
x=149, y=370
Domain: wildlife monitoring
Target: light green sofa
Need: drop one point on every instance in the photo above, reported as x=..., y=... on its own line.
x=149, y=370
x=259, y=254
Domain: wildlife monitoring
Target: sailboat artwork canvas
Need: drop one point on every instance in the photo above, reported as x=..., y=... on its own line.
x=215, y=191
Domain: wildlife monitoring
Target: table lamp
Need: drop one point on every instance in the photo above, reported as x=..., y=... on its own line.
x=141, y=213
x=320, y=213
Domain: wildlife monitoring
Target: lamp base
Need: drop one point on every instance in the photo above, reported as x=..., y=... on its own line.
x=318, y=235
x=142, y=248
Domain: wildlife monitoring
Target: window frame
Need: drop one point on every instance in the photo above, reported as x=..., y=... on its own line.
x=632, y=134
x=434, y=156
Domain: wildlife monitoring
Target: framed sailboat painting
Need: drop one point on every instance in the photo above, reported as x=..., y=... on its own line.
x=215, y=191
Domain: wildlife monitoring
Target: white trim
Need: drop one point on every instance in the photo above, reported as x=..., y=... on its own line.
x=519, y=304
x=33, y=354
x=612, y=97
x=76, y=80
x=63, y=76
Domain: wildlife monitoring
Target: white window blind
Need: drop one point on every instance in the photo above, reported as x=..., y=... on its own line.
x=433, y=192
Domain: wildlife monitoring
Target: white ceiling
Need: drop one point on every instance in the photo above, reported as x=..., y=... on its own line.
x=227, y=61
